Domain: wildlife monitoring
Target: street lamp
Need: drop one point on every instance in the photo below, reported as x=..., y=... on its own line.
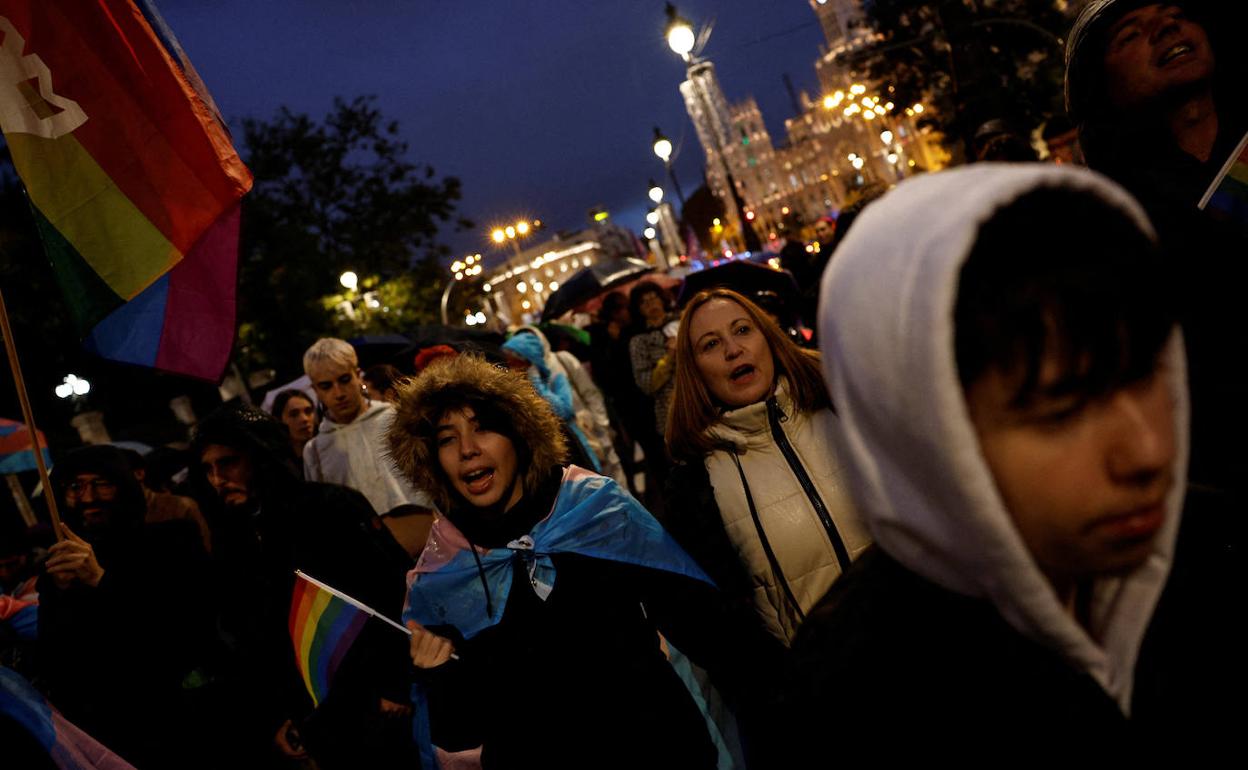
x=73, y=385
x=649, y=233
x=656, y=192
x=349, y=280
x=662, y=146
x=652, y=217
x=679, y=33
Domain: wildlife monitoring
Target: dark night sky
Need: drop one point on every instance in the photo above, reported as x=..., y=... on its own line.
x=542, y=108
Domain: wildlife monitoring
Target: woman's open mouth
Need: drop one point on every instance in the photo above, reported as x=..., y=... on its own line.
x=742, y=373
x=478, y=481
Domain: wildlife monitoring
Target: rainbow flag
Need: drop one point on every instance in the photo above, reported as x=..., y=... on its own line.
x=131, y=173
x=1227, y=197
x=323, y=626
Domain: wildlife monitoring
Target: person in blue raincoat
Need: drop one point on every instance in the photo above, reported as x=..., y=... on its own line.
x=536, y=605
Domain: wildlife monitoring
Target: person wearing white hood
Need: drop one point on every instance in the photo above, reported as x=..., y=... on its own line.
x=1013, y=425
x=350, y=449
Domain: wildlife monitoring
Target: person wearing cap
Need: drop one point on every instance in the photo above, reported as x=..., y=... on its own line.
x=121, y=611
x=1157, y=102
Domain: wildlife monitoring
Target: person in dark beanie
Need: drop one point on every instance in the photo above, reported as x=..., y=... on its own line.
x=267, y=522
x=122, y=620
x=1157, y=102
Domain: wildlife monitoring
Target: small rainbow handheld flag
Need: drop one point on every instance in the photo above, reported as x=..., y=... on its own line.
x=323, y=625
x=1227, y=197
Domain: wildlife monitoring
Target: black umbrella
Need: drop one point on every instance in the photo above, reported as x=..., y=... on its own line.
x=591, y=281
x=378, y=348
x=744, y=278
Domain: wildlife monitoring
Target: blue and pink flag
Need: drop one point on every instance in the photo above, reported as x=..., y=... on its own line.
x=132, y=176
x=68, y=747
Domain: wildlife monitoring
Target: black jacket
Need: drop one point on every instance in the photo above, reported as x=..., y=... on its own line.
x=114, y=657
x=888, y=654
x=580, y=679
x=331, y=533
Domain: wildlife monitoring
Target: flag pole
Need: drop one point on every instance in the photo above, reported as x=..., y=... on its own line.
x=28, y=414
x=358, y=604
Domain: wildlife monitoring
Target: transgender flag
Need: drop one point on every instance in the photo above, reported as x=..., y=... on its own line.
x=68, y=747
x=133, y=179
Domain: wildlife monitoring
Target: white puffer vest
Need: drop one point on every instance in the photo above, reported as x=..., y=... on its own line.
x=789, y=470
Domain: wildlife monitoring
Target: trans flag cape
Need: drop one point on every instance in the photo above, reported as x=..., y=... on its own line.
x=592, y=516
x=68, y=747
x=132, y=177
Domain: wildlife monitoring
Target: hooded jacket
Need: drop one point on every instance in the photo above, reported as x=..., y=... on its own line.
x=354, y=455
x=587, y=412
x=950, y=623
x=331, y=533
x=574, y=624
x=913, y=458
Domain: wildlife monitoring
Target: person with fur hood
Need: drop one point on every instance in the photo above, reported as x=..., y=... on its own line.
x=1013, y=423
x=536, y=605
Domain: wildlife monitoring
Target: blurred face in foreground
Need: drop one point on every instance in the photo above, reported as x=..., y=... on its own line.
x=1084, y=479
x=479, y=463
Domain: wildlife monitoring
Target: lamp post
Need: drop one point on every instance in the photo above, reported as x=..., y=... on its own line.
x=663, y=149
x=682, y=40
x=513, y=233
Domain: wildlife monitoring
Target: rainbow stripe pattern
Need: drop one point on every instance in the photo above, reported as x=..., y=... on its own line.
x=132, y=176
x=323, y=627
x=1227, y=197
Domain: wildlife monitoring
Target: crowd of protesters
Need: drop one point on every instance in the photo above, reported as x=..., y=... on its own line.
x=995, y=515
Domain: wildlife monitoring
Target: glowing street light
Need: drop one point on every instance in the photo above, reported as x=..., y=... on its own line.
x=73, y=385
x=858, y=163
x=349, y=280
x=679, y=34
x=511, y=231
x=656, y=192
x=652, y=217
x=886, y=137
x=649, y=233
x=662, y=146
x=498, y=235
x=522, y=228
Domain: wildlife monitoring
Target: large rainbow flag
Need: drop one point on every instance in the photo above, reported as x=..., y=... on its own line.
x=1227, y=197
x=323, y=626
x=133, y=178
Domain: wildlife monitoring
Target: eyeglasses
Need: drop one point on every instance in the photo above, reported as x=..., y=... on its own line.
x=96, y=486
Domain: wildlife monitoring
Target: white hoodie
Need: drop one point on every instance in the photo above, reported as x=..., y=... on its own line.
x=912, y=457
x=355, y=455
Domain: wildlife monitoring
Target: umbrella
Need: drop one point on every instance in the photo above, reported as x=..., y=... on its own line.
x=379, y=348
x=592, y=281
x=744, y=278
x=17, y=450
x=462, y=338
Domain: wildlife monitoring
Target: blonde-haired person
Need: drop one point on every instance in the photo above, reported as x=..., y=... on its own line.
x=350, y=449
x=757, y=496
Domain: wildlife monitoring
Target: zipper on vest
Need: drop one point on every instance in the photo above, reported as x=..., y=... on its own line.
x=808, y=486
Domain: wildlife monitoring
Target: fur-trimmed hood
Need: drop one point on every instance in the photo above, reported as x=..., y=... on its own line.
x=467, y=377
